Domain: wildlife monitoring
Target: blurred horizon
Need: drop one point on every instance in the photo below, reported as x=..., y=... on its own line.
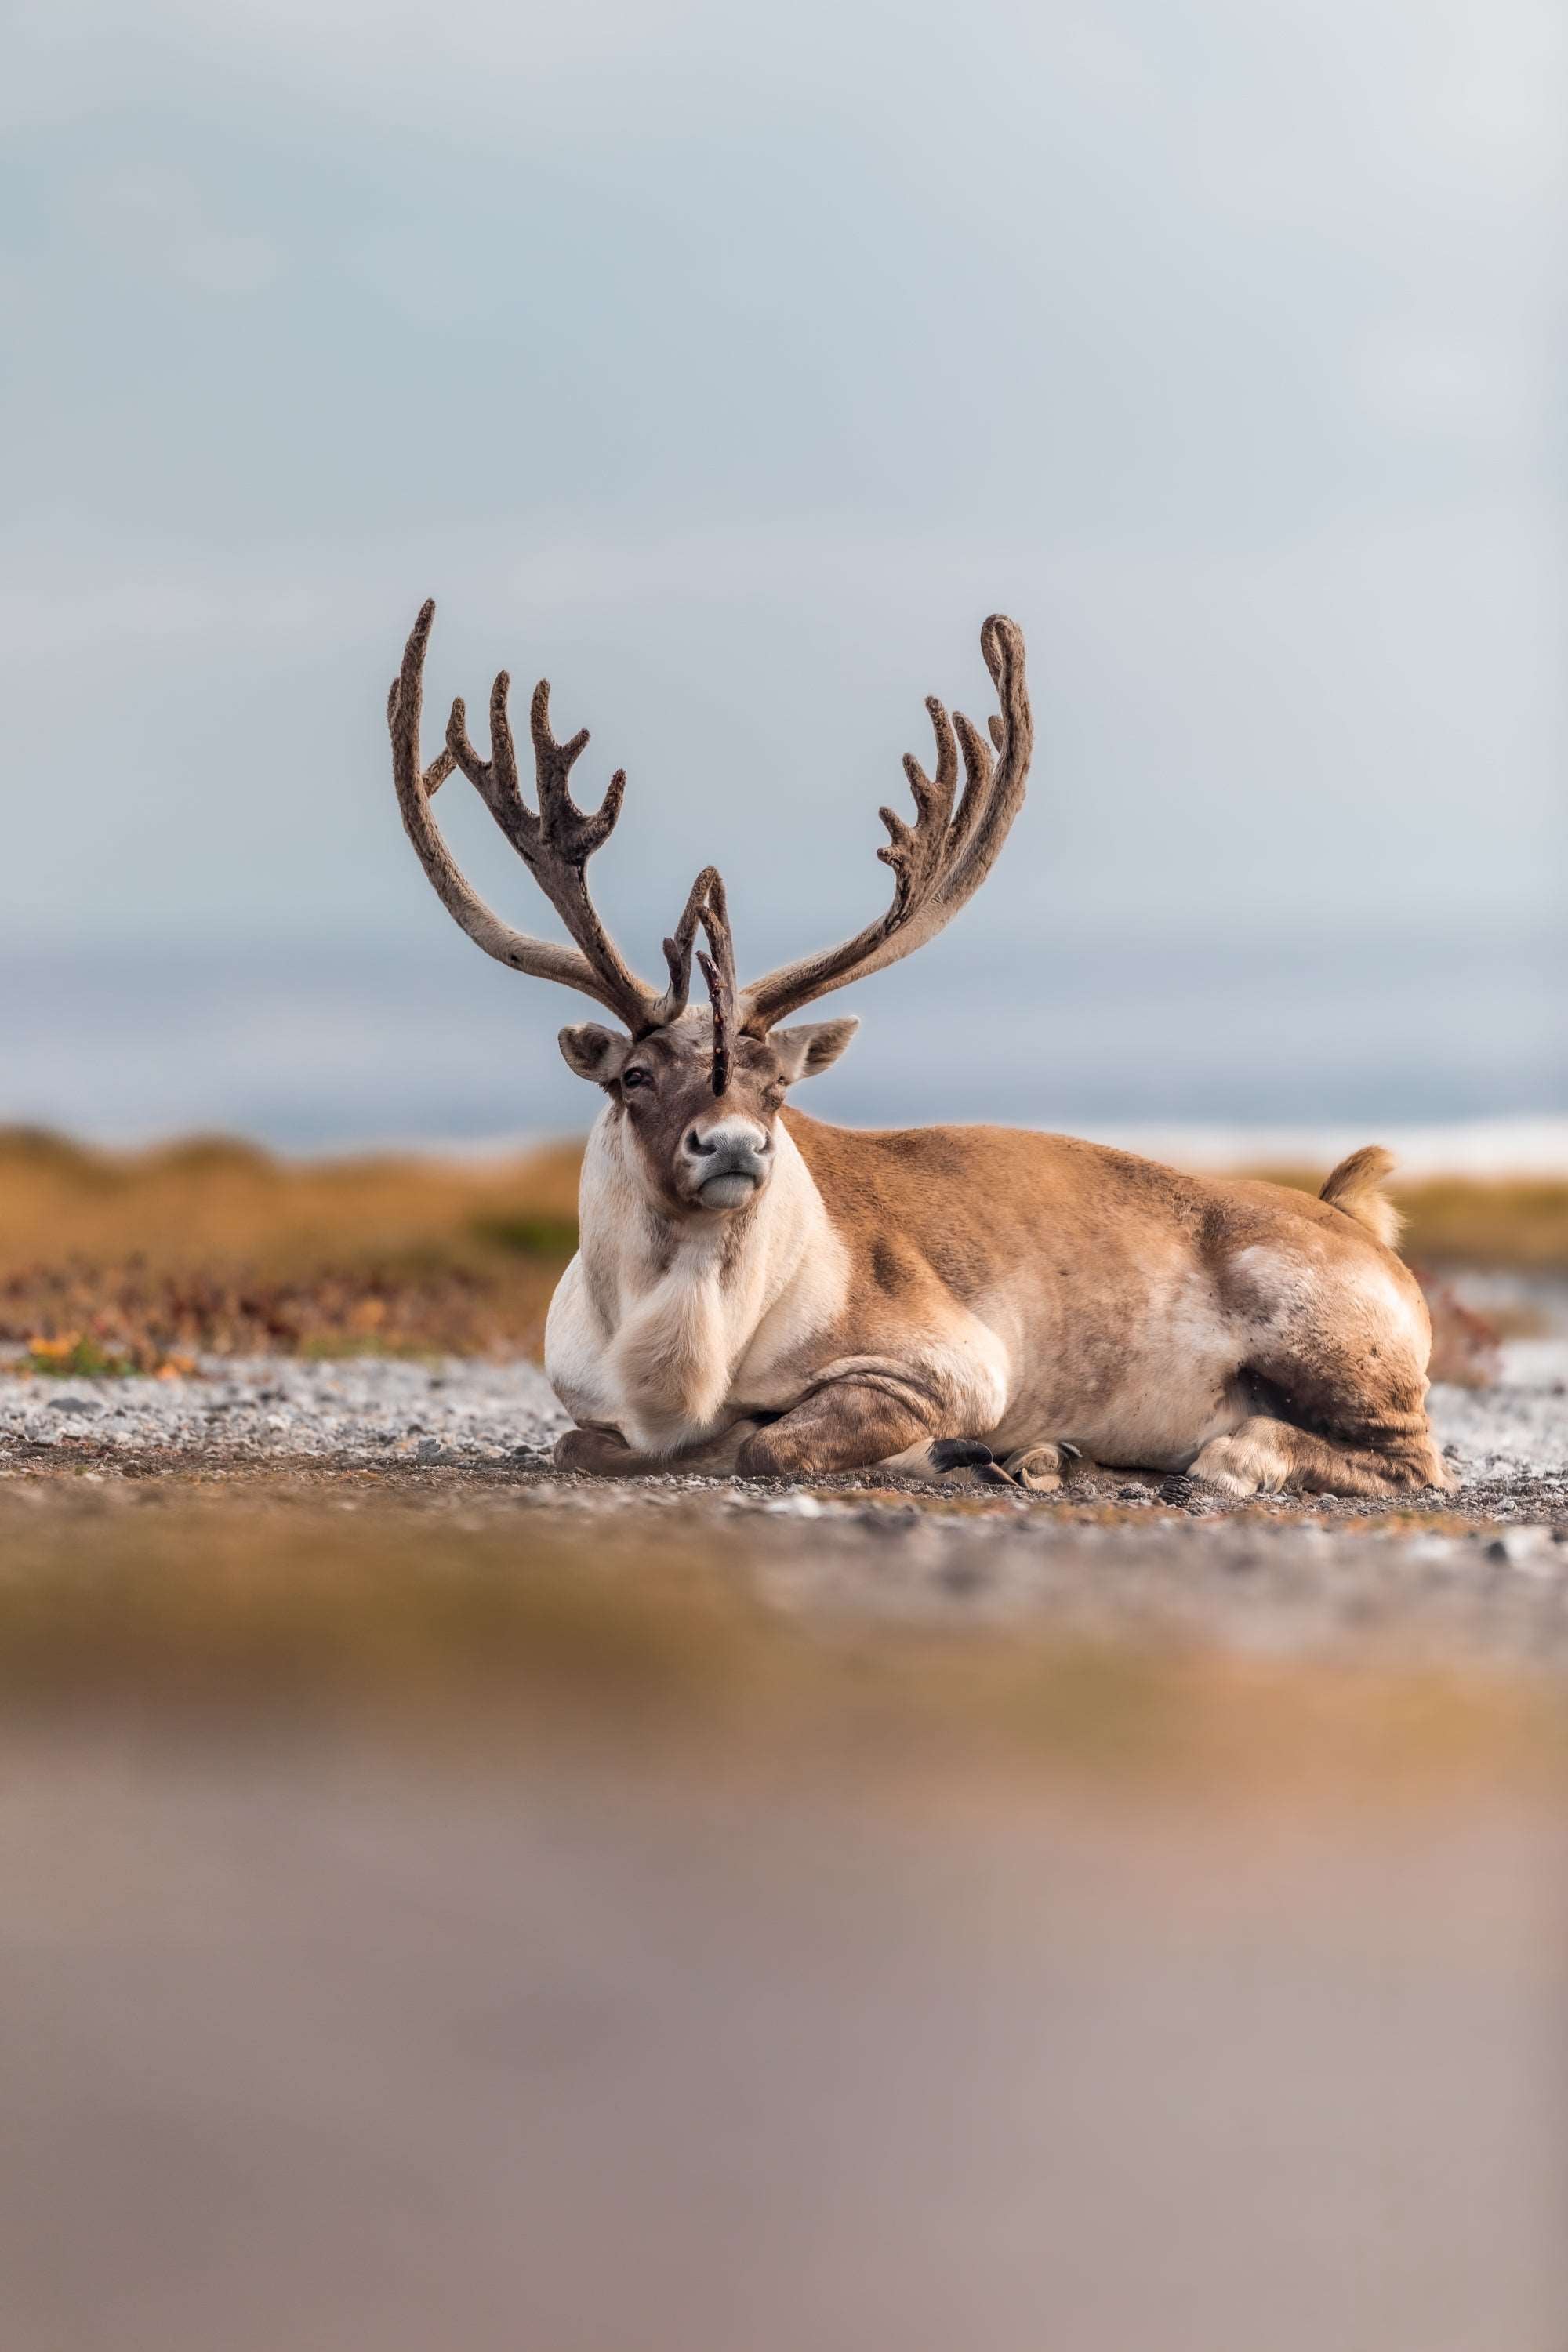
x=310, y=1049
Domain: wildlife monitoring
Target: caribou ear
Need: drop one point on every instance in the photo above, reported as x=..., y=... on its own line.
x=810, y=1046
x=594, y=1053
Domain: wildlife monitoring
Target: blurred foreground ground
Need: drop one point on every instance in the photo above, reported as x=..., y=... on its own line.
x=446, y=1903
x=430, y=1928
x=337, y=2046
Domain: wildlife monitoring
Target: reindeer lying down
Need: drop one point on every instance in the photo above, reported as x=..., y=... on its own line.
x=759, y=1293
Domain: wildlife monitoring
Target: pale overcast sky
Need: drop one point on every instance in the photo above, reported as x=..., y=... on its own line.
x=729, y=364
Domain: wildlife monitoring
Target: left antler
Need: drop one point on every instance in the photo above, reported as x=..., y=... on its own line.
x=939, y=861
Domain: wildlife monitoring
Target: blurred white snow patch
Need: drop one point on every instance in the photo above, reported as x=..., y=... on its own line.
x=1518, y=1146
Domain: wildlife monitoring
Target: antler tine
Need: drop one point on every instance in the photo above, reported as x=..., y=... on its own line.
x=1013, y=734
x=678, y=953
x=558, y=842
x=940, y=860
x=978, y=764
x=494, y=779
x=914, y=852
x=441, y=766
x=575, y=832
x=593, y=964
x=718, y=971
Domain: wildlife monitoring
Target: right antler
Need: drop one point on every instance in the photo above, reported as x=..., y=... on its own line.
x=556, y=844
x=940, y=860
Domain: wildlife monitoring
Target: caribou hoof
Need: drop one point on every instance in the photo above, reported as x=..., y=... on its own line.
x=945, y=1453
x=1040, y=1469
x=1035, y=1469
x=948, y=1454
x=595, y=1452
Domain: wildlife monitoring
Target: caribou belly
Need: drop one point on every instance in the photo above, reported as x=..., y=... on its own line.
x=1174, y=1382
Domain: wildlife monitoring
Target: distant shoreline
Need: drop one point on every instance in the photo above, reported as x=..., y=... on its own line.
x=1511, y=1146
x=1532, y=1145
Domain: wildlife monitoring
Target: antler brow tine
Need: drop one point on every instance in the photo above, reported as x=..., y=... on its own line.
x=718, y=971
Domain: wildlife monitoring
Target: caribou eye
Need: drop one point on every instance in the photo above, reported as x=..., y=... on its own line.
x=636, y=1078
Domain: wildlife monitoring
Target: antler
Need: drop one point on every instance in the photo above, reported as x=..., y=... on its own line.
x=718, y=971
x=556, y=844
x=940, y=860
x=677, y=951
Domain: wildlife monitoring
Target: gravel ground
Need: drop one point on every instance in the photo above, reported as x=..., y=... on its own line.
x=1514, y=1436
x=1481, y=1573
x=363, y=1408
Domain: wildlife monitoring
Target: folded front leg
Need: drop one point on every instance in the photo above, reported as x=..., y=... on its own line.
x=1038, y=1469
x=844, y=1424
x=604, y=1454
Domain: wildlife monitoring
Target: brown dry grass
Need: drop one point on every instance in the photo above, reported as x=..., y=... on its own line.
x=1515, y=1222
x=120, y=1261
x=135, y=1260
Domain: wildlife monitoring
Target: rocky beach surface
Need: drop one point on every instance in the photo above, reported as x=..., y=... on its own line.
x=1481, y=1571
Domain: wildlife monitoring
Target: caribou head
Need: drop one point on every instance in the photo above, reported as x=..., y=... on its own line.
x=700, y=1088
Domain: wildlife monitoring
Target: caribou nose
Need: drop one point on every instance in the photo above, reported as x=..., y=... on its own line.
x=729, y=1140
x=729, y=1148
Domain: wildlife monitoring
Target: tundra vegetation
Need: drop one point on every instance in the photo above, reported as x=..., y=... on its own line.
x=130, y=1260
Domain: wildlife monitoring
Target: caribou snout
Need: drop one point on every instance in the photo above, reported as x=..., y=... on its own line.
x=727, y=1162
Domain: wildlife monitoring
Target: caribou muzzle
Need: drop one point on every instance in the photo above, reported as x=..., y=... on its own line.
x=726, y=1164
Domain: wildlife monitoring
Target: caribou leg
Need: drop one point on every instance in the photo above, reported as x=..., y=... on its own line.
x=1265, y=1456
x=848, y=1424
x=1038, y=1469
x=604, y=1454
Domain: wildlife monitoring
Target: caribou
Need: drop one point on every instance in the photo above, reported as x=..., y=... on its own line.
x=758, y=1292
